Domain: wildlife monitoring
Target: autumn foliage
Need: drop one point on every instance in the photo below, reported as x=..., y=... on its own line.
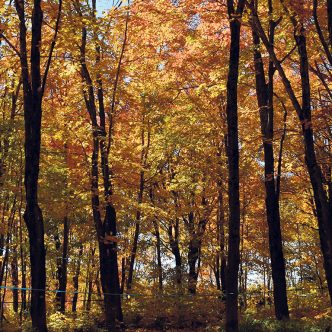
x=166, y=164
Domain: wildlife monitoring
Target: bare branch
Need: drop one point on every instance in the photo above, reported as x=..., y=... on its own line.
x=48, y=64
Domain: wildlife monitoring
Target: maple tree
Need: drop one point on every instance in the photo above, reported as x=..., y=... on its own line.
x=165, y=164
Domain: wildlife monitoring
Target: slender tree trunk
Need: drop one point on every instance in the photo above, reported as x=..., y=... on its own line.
x=62, y=268
x=23, y=272
x=14, y=271
x=174, y=237
x=123, y=274
x=33, y=89
x=4, y=294
x=304, y=115
x=233, y=169
x=7, y=244
x=143, y=160
x=133, y=251
x=177, y=256
x=158, y=248
x=22, y=248
x=321, y=201
x=221, y=229
x=193, y=255
x=97, y=283
x=158, y=244
x=106, y=231
x=216, y=270
x=76, y=278
x=195, y=244
x=90, y=274
x=265, y=103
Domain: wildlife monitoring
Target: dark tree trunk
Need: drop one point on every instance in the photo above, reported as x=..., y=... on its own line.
x=158, y=247
x=106, y=231
x=76, y=278
x=23, y=269
x=14, y=270
x=233, y=169
x=321, y=200
x=173, y=233
x=97, y=283
x=216, y=271
x=265, y=104
x=22, y=249
x=3, y=296
x=174, y=238
x=62, y=268
x=33, y=89
x=304, y=115
x=158, y=243
x=193, y=255
x=221, y=258
x=196, y=234
x=89, y=281
x=123, y=274
x=143, y=159
x=133, y=251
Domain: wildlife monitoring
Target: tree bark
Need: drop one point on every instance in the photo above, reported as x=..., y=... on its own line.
x=265, y=103
x=14, y=272
x=196, y=233
x=221, y=259
x=158, y=244
x=174, y=238
x=33, y=88
x=233, y=168
x=62, y=268
x=106, y=231
x=76, y=278
x=143, y=160
x=304, y=115
x=158, y=247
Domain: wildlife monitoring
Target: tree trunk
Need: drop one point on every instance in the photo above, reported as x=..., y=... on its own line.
x=89, y=277
x=23, y=270
x=33, y=89
x=76, y=278
x=193, y=255
x=144, y=156
x=315, y=173
x=304, y=115
x=62, y=268
x=174, y=243
x=106, y=231
x=233, y=169
x=174, y=238
x=265, y=103
x=123, y=274
x=158, y=247
x=196, y=233
x=221, y=229
x=14, y=270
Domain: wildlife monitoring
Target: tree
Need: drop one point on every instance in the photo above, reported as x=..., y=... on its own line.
x=33, y=91
x=304, y=115
x=233, y=260
x=265, y=96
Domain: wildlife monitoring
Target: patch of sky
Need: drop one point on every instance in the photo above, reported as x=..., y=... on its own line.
x=105, y=5
x=194, y=21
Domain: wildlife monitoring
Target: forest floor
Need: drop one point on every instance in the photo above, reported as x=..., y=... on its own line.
x=192, y=314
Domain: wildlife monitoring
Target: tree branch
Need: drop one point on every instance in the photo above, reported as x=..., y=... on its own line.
x=48, y=64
